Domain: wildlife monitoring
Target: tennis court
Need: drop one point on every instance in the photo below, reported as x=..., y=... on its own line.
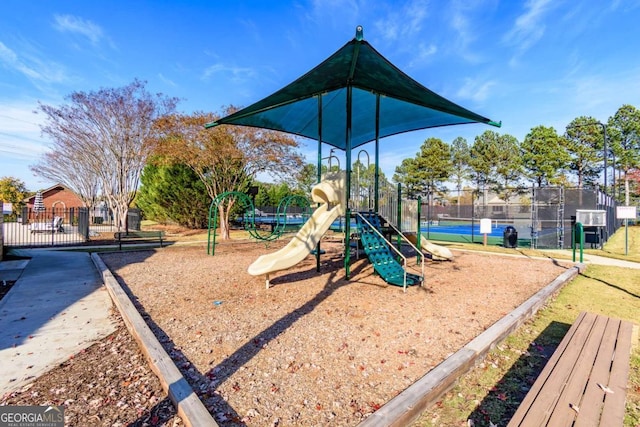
x=467, y=230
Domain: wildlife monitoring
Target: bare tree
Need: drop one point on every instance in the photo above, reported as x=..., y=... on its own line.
x=65, y=167
x=226, y=158
x=107, y=136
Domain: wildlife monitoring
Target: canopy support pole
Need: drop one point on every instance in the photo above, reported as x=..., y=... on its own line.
x=319, y=169
x=376, y=185
x=347, y=228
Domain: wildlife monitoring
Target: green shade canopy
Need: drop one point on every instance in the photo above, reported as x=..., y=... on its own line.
x=354, y=78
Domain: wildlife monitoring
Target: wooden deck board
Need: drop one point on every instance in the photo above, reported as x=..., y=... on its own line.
x=614, y=403
x=595, y=350
x=570, y=401
x=593, y=397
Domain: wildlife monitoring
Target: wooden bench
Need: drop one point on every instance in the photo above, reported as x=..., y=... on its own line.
x=585, y=380
x=138, y=237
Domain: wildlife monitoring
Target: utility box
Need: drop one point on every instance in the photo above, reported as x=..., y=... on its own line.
x=591, y=218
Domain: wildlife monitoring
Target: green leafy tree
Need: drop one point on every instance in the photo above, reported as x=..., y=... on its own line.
x=584, y=144
x=307, y=178
x=426, y=172
x=544, y=155
x=508, y=167
x=362, y=183
x=173, y=193
x=482, y=158
x=460, y=158
x=482, y=161
x=461, y=172
x=433, y=166
x=624, y=133
x=271, y=194
x=226, y=158
x=409, y=184
x=14, y=191
x=262, y=198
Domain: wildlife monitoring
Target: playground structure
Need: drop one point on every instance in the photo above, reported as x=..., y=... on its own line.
x=329, y=193
x=381, y=253
x=355, y=97
x=280, y=223
x=370, y=229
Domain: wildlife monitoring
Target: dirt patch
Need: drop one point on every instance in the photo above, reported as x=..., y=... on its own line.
x=108, y=384
x=314, y=349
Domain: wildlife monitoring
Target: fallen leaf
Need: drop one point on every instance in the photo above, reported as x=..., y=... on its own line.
x=605, y=388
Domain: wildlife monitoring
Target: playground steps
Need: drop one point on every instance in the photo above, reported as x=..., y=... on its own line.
x=380, y=254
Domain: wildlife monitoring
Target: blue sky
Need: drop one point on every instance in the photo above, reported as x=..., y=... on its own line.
x=525, y=63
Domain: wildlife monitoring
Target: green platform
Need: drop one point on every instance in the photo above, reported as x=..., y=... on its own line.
x=380, y=254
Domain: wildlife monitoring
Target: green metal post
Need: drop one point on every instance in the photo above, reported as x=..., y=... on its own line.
x=347, y=228
x=319, y=169
x=376, y=184
x=211, y=247
x=579, y=231
x=418, y=233
x=399, y=238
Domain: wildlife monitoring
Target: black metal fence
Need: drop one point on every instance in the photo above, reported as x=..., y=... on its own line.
x=60, y=227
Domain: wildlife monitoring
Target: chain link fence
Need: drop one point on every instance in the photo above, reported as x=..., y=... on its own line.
x=541, y=217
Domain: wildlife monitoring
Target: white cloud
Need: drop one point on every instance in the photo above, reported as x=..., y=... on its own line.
x=528, y=27
x=460, y=23
x=422, y=53
x=403, y=22
x=74, y=24
x=235, y=74
x=600, y=96
x=32, y=67
x=475, y=89
x=20, y=137
x=167, y=80
x=466, y=18
x=625, y=5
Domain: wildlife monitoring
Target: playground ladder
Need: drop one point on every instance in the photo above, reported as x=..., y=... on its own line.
x=379, y=252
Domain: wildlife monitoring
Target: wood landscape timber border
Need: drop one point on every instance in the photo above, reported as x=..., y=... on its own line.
x=189, y=407
x=409, y=404
x=399, y=411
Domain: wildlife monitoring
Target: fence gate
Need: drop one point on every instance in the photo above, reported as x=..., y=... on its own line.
x=54, y=227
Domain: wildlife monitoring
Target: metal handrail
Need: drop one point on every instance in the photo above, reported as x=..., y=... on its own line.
x=418, y=251
x=397, y=251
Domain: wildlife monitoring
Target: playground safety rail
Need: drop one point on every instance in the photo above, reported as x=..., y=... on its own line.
x=396, y=250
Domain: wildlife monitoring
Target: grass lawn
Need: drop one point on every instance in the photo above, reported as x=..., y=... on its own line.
x=491, y=392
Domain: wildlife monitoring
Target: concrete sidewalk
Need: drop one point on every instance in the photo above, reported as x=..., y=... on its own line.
x=601, y=260
x=57, y=307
